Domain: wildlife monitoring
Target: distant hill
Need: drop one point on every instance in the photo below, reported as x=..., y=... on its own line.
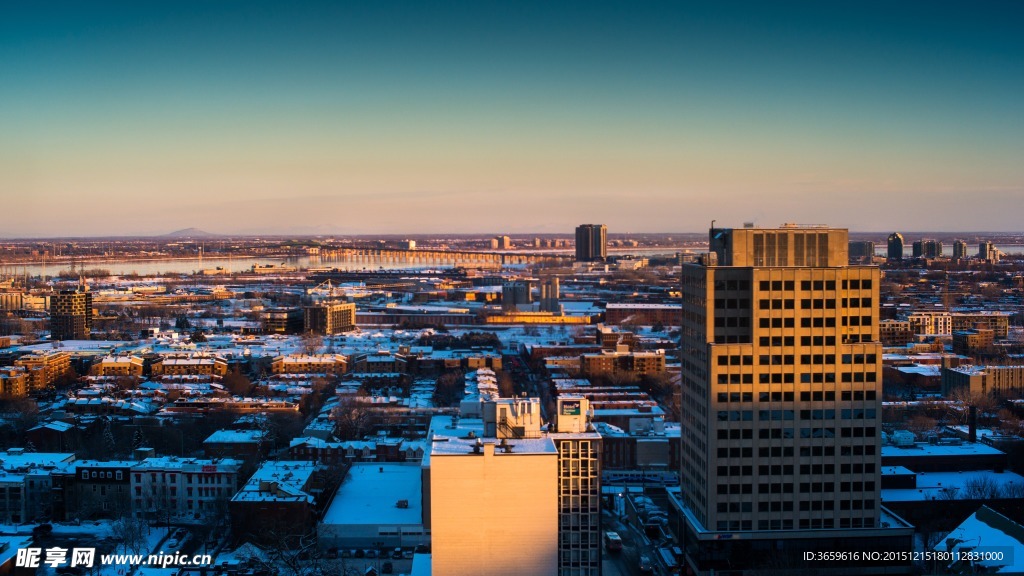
x=190, y=233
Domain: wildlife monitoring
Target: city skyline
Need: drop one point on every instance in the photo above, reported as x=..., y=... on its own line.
x=126, y=119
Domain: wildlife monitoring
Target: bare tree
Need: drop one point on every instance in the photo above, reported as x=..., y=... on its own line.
x=981, y=488
x=921, y=425
x=131, y=532
x=311, y=343
x=351, y=419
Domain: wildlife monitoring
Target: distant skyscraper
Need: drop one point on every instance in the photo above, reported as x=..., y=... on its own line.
x=988, y=251
x=895, y=252
x=781, y=377
x=959, y=249
x=927, y=248
x=71, y=315
x=862, y=251
x=591, y=242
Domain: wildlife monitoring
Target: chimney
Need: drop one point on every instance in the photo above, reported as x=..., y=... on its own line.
x=972, y=424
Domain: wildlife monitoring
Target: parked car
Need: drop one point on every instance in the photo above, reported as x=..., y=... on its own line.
x=646, y=566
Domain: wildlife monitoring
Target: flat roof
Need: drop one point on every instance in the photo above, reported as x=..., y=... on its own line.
x=454, y=446
x=931, y=450
x=937, y=485
x=370, y=494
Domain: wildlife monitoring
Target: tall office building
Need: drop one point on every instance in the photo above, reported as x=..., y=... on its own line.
x=71, y=315
x=330, y=318
x=959, y=250
x=781, y=387
x=895, y=251
x=591, y=242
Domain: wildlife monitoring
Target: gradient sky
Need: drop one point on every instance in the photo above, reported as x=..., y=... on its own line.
x=477, y=116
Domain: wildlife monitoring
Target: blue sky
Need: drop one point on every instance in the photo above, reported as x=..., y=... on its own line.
x=145, y=117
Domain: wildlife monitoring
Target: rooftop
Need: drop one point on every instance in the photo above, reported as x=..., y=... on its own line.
x=371, y=493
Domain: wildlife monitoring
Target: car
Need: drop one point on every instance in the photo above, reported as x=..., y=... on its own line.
x=386, y=568
x=422, y=549
x=397, y=554
x=612, y=541
x=173, y=543
x=407, y=554
x=646, y=566
x=332, y=553
x=360, y=553
x=371, y=553
x=346, y=553
x=42, y=530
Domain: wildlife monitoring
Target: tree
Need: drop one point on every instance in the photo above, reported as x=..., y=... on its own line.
x=506, y=387
x=131, y=532
x=311, y=343
x=448, y=388
x=139, y=439
x=921, y=424
x=351, y=419
x=981, y=488
x=109, y=444
x=198, y=336
x=965, y=399
x=236, y=383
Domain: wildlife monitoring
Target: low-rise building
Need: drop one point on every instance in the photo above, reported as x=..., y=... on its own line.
x=26, y=483
x=644, y=314
x=14, y=383
x=168, y=488
x=621, y=361
x=279, y=504
x=376, y=505
x=123, y=365
x=190, y=364
x=310, y=364
x=44, y=368
x=1001, y=380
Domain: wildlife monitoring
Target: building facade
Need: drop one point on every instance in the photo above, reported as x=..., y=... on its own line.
x=44, y=368
x=959, y=249
x=330, y=318
x=894, y=253
x=71, y=315
x=781, y=385
x=591, y=242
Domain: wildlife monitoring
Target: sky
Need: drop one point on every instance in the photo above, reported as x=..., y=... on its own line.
x=509, y=117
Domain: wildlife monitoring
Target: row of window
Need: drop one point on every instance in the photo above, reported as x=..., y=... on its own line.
x=805, y=452
x=790, y=359
x=805, y=378
x=788, y=469
x=102, y=474
x=790, y=303
x=790, y=433
x=786, y=415
x=778, y=285
x=805, y=396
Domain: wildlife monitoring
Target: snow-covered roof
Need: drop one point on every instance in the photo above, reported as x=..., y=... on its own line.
x=371, y=492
